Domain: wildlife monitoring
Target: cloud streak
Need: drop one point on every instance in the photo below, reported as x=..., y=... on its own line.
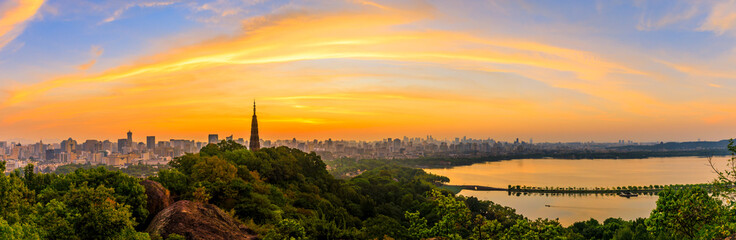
x=368, y=69
x=334, y=37
x=96, y=51
x=718, y=17
x=14, y=15
x=119, y=12
x=722, y=18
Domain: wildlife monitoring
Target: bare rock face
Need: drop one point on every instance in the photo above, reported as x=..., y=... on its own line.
x=198, y=221
x=158, y=198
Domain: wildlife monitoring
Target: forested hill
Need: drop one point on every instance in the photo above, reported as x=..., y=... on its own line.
x=721, y=146
x=283, y=193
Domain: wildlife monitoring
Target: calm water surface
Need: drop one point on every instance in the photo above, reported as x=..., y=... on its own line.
x=580, y=173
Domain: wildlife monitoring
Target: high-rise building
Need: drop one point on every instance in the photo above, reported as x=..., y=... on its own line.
x=69, y=145
x=130, y=138
x=92, y=146
x=255, y=141
x=107, y=146
x=122, y=144
x=50, y=154
x=151, y=142
x=213, y=138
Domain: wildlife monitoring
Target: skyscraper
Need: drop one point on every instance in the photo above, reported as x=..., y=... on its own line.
x=151, y=142
x=255, y=142
x=130, y=138
x=122, y=145
x=213, y=138
x=69, y=146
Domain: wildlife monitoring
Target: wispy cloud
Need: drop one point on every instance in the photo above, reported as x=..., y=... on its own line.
x=678, y=15
x=87, y=65
x=217, y=10
x=369, y=68
x=119, y=12
x=14, y=15
x=722, y=18
x=333, y=36
x=95, y=52
x=718, y=17
x=183, y=79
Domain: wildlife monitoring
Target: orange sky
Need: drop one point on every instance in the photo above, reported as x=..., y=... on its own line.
x=368, y=70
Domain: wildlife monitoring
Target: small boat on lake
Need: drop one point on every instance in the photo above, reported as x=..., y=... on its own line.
x=547, y=205
x=627, y=194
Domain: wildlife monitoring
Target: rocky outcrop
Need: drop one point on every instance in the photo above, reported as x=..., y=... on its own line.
x=198, y=221
x=158, y=198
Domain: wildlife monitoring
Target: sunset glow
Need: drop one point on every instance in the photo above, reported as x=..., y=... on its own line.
x=603, y=71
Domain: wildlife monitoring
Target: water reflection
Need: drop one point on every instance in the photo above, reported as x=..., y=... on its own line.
x=569, y=208
x=547, y=194
x=584, y=172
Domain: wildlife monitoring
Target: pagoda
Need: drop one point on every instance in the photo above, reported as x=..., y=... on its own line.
x=255, y=142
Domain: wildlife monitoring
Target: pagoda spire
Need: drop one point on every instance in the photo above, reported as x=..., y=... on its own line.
x=255, y=141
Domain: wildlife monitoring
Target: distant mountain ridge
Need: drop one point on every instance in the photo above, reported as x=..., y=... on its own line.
x=677, y=146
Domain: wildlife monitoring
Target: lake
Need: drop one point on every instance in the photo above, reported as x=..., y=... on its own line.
x=580, y=173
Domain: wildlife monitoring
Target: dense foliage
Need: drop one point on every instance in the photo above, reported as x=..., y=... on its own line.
x=135, y=170
x=85, y=204
x=288, y=193
x=285, y=193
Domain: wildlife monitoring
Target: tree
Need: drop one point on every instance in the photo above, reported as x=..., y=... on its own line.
x=381, y=226
x=200, y=195
x=213, y=169
x=174, y=180
x=16, y=199
x=95, y=214
x=726, y=180
x=29, y=176
x=126, y=189
x=229, y=146
x=418, y=228
x=455, y=215
x=684, y=213
x=538, y=229
x=54, y=216
x=287, y=229
x=18, y=231
x=456, y=221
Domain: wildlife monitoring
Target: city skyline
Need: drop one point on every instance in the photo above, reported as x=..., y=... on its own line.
x=553, y=71
x=127, y=151
x=223, y=136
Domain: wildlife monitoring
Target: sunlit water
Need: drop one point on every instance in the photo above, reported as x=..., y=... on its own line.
x=580, y=173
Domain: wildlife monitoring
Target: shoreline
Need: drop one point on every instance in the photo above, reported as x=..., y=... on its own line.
x=449, y=162
x=574, y=190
